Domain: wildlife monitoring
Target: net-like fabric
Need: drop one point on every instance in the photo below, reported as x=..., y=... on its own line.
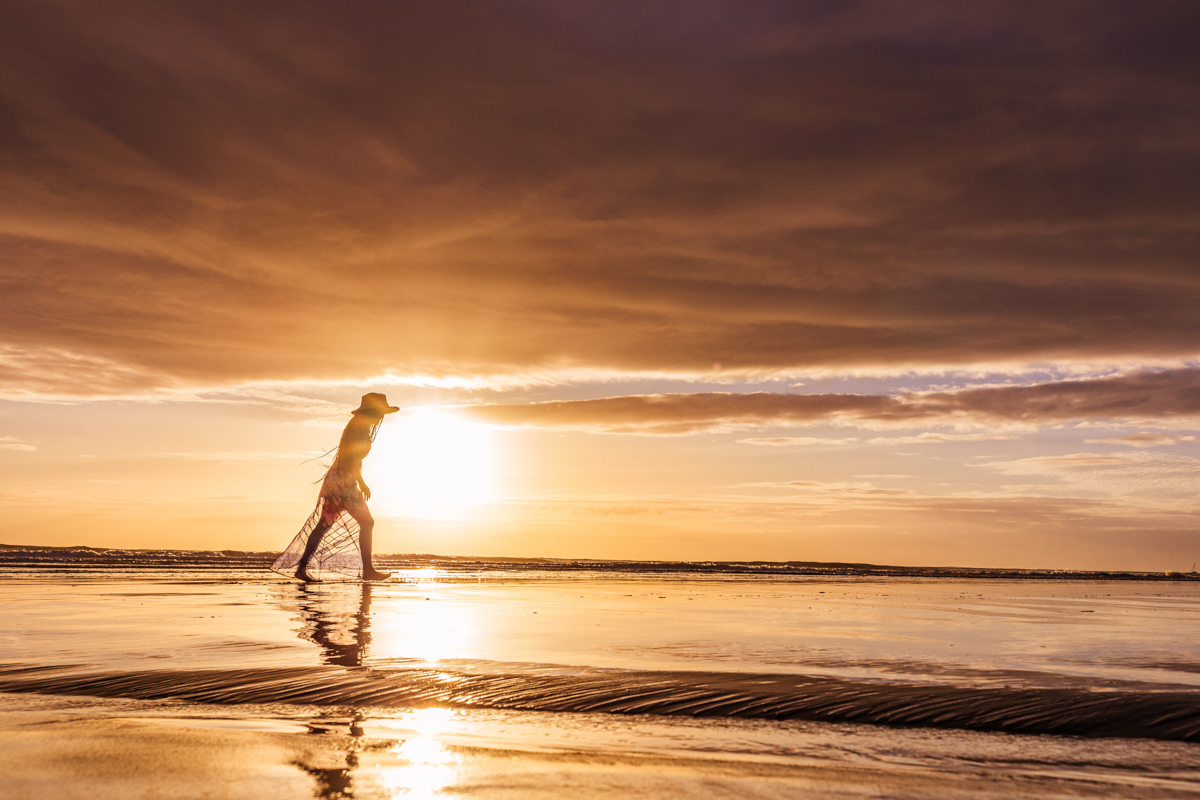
x=337, y=555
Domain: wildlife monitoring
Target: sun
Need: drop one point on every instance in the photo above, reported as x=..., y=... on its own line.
x=430, y=464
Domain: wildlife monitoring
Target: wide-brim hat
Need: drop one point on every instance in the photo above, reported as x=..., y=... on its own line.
x=375, y=403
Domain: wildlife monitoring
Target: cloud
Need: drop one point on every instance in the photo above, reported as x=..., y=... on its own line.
x=1075, y=462
x=1140, y=395
x=790, y=441
x=198, y=194
x=937, y=438
x=682, y=413
x=838, y=489
x=1146, y=439
x=13, y=443
x=924, y=438
x=1146, y=395
x=1137, y=478
x=234, y=456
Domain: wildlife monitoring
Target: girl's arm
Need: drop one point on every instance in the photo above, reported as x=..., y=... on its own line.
x=361, y=483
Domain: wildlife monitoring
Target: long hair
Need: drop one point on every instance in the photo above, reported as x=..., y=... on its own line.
x=372, y=432
x=348, y=437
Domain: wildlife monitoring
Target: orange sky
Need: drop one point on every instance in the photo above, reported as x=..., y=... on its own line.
x=813, y=281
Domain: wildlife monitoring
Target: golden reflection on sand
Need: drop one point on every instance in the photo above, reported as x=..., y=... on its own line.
x=388, y=757
x=425, y=721
x=430, y=768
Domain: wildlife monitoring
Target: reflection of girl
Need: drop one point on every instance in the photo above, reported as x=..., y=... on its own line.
x=343, y=493
x=341, y=630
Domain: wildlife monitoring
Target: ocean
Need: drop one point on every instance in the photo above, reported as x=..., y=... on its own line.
x=203, y=674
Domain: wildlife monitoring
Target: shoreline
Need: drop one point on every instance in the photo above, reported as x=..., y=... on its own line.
x=83, y=557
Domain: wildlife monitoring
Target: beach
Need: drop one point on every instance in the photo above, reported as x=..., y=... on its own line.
x=748, y=399
x=188, y=676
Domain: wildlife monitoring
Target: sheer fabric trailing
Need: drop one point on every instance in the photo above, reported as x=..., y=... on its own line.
x=338, y=553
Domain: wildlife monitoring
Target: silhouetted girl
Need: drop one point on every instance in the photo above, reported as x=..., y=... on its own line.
x=337, y=537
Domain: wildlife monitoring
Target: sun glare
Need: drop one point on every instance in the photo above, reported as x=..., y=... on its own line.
x=430, y=464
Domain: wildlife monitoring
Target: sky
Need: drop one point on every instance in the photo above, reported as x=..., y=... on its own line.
x=807, y=281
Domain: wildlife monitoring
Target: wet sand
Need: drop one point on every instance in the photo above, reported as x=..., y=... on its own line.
x=544, y=684
x=1011, y=633
x=121, y=749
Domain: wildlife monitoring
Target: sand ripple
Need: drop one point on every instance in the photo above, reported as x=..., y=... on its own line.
x=1172, y=715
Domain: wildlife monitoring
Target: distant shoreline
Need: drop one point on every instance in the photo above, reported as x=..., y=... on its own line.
x=88, y=557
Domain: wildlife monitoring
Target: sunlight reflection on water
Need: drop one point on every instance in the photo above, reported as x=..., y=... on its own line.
x=425, y=721
x=423, y=766
x=430, y=769
x=429, y=632
x=422, y=575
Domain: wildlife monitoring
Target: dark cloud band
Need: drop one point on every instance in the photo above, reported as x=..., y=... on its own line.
x=1165, y=395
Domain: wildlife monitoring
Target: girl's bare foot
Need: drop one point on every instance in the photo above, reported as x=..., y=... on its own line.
x=303, y=575
x=375, y=575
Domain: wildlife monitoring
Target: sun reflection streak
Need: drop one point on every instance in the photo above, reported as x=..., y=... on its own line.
x=423, y=766
x=425, y=721
x=422, y=575
x=430, y=768
x=426, y=629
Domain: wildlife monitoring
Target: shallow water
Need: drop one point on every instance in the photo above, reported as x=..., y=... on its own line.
x=530, y=682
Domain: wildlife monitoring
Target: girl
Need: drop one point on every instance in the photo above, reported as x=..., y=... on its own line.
x=340, y=528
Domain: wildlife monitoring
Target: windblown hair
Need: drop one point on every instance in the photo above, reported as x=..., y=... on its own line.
x=351, y=439
x=346, y=439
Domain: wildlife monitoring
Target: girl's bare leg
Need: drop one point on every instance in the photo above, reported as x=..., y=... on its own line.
x=314, y=541
x=366, y=525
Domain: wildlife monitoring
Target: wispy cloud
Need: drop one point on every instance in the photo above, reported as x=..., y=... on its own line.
x=792, y=441
x=923, y=438
x=234, y=456
x=13, y=443
x=1140, y=477
x=838, y=488
x=1146, y=439
x=939, y=438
